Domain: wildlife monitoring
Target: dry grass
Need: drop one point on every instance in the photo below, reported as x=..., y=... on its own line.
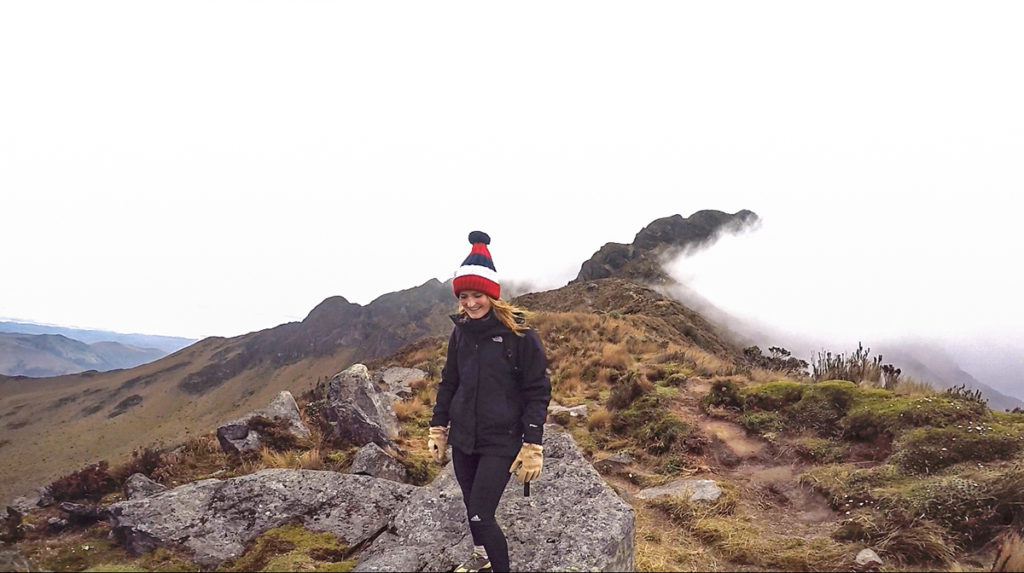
x=615, y=356
x=293, y=459
x=407, y=410
x=659, y=545
x=599, y=419
x=907, y=386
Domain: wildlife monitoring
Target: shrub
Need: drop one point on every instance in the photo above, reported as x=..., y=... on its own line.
x=723, y=393
x=92, y=483
x=651, y=425
x=148, y=461
x=627, y=388
x=927, y=450
x=823, y=405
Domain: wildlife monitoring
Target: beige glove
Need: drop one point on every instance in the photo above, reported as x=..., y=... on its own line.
x=438, y=443
x=528, y=463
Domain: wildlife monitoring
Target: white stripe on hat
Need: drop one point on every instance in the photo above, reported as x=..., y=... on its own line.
x=477, y=270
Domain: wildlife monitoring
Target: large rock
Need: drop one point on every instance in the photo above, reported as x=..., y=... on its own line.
x=359, y=410
x=396, y=380
x=237, y=437
x=571, y=522
x=371, y=460
x=690, y=489
x=138, y=485
x=215, y=520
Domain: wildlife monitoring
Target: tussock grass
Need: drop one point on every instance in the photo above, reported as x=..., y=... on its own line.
x=744, y=543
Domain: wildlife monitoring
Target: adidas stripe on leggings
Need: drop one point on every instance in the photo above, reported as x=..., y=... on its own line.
x=483, y=479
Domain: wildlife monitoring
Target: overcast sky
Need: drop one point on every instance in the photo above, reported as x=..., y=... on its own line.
x=212, y=168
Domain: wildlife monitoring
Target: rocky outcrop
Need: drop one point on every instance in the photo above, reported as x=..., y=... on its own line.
x=571, y=521
x=562, y=415
x=138, y=485
x=642, y=259
x=215, y=520
x=372, y=461
x=396, y=380
x=359, y=411
x=689, y=489
x=237, y=437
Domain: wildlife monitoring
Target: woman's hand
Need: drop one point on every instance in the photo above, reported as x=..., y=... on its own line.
x=528, y=463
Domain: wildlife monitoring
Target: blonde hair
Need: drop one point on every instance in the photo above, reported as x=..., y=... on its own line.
x=512, y=316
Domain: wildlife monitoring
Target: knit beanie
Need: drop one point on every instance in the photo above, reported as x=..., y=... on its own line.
x=477, y=271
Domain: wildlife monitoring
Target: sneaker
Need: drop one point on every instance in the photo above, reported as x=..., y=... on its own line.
x=475, y=563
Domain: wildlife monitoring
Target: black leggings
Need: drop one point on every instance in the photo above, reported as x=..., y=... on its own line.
x=483, y=479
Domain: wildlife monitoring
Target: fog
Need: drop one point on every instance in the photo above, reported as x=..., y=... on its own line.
x=885, y=278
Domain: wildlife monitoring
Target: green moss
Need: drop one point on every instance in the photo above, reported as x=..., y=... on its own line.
x=667, y=391
x=927, y=450
x=292, y=548
x=762, y=422
x=772, y=396
x=159, y=560
x=821, y=451
x=878, y=411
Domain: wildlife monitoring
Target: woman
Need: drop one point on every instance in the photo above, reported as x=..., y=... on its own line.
x=494, y=392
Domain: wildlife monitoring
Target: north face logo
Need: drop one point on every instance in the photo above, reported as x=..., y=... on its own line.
x=497, y=339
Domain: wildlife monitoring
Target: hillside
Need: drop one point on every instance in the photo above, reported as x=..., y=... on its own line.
x=52, y=425
x=41, y=355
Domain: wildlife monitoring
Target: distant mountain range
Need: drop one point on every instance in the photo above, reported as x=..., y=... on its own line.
x=167, y=344
x=41, y=355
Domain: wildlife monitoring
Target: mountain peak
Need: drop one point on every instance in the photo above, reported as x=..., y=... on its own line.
x=642, y=259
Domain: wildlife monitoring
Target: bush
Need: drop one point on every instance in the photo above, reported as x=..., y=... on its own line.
x=878, y=411
x=821, y=451
x=651, y=425
x=91, y=483
x=823, y=405
x=723, y=393
x=147, y=462
x=627, y=388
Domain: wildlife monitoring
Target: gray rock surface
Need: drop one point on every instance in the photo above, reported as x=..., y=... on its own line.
x=13, y=560
x=215, y=520
x=236, y=437
x=562, y=414
x=613, y=463
x=867, y=560
x=571, y=521
x=371, y=460
x=396, y=380
x=25, y=504
x=359, y=410
x=138, y=485
x=691, y=489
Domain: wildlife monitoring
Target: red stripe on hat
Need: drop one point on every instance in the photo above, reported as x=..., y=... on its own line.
x=480, y=249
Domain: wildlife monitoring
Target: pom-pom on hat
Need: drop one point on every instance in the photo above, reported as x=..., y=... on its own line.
x=477, y=271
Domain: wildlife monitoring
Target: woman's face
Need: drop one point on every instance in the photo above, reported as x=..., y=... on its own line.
x=476, y=304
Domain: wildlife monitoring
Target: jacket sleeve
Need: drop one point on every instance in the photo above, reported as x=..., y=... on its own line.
x=449, y=383
x=536, y=388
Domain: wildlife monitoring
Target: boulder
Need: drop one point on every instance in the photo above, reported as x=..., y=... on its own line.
x=25, y=504
x=372, y=461
x=358, y=410
x=614, y=463
x=572, y=521
x=13, y=560
x=396, y=380
x=236, y=437
x=561, y=415
x=84, y=513
x=138, y=485
x=691, y=489
x=867, y=560
x=215, y=520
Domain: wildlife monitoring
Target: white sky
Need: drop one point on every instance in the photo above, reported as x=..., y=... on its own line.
x=211, y=168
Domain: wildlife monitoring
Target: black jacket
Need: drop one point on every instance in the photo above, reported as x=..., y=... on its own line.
x=489, y=410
